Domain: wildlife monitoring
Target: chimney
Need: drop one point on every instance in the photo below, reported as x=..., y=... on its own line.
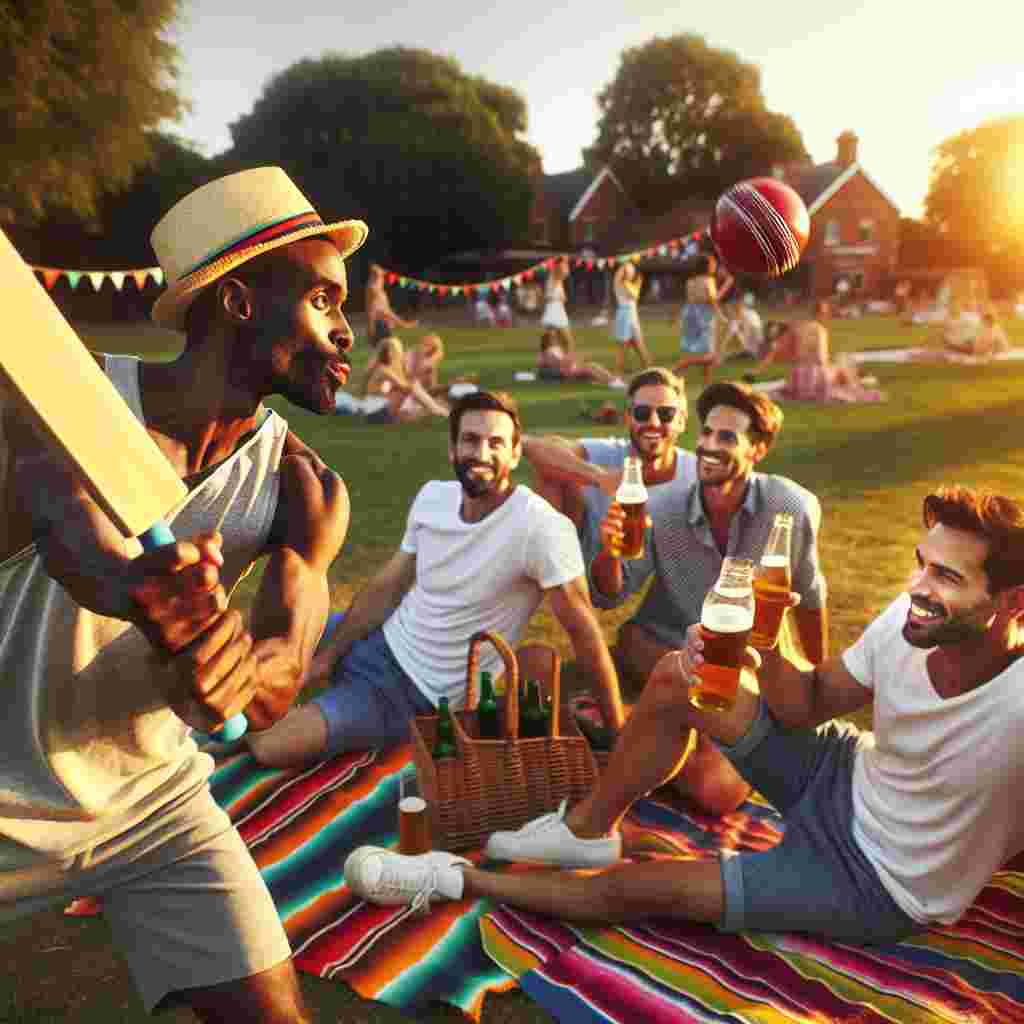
x=847, y=149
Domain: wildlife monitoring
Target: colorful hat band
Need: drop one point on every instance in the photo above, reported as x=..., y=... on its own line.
x=264, y=233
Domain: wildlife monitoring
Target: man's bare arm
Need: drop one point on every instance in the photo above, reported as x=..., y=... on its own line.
x=557, y=458
x=570, y=604
x=812, y=627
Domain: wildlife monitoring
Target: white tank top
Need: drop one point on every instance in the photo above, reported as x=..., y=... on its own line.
x=89, y=745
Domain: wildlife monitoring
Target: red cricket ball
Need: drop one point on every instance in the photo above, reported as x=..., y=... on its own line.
x=760, y=226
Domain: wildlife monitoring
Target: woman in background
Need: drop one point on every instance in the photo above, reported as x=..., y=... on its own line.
x=627, y=331
x=381, y=319
x=407, y=399
x=554, y=363
x=699, y=316
x=554, y=315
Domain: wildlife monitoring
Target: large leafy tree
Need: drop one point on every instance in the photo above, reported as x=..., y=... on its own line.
x=430, y=156
x=976, y=192
x=682, y=118
x=83, y=81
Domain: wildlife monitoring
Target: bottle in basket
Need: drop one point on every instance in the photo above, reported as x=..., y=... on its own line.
x=725, y=622
x=632, y=496
x=444, y=743
x=487, y=717
x=772, y=583
x=532, y=721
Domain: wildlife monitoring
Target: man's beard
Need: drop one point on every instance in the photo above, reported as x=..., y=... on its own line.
x=475, y=486
x=950, y=631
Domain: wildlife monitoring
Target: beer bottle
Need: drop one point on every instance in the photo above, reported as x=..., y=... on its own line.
x=772, y=583
x=632, y=496
x=532, y=722
x=444, y=743
x=487, y=710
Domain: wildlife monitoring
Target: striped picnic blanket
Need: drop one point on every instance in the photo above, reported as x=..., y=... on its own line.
x=301, y=824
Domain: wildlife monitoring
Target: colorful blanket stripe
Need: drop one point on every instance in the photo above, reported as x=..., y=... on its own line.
x=672, y=972
x=301, y=824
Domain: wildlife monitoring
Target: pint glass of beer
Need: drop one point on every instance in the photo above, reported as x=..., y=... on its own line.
x=772, y=585
x=413, y=823
x=632, y=496
x=725, y=623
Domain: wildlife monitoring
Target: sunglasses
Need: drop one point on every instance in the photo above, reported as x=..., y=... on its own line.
x=642, y=413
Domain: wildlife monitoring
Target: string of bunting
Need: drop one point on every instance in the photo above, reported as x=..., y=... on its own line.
x=539, y=269
x=141, y=277
x=51, y=275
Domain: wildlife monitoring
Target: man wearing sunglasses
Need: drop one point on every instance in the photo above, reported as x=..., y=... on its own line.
x=580, y=479
x=717, y=505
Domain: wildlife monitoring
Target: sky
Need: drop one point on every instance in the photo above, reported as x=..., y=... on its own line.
x=902, y=74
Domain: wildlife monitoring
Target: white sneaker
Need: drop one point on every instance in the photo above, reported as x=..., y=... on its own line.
x=382, y=876
x=548, y=840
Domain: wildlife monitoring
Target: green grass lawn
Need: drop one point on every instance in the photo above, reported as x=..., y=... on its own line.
x=870, y=465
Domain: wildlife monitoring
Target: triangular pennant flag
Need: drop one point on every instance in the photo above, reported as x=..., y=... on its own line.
x=392, y=278
x=73, y=276
x=50, y=277
x=117, y=276
x=443, y=289
x=456, y=290
x=140, y=277
x=157, y=274
x=96, y=278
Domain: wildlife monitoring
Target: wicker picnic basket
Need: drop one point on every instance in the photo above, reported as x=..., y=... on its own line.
x=499, y=784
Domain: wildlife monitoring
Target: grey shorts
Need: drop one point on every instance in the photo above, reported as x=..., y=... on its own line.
x=816, y=880
x=372, y=700
x=185, y=903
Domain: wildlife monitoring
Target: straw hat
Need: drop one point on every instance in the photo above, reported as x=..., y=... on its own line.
x=228, y=221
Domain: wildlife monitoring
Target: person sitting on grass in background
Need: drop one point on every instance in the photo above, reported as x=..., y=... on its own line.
x=407, y=399
x=627, y=331
x=887, y=833
x=744, y=325
x=381, y=319
x=479, y=553
x=989, y=341
x=700, y=315
x=110, y=655
x=555, y=363
x=423, y=361
x=816, y=378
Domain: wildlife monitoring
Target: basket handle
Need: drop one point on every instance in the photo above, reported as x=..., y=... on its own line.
x=511, y=678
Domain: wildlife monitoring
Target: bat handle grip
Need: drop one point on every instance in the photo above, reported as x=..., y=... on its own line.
x=235, y=727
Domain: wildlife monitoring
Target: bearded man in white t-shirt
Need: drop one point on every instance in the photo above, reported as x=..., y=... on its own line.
x=479, y=553
x=887, y=832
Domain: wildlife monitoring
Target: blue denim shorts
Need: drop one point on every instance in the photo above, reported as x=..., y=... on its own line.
x=372, y=699
x=817, y=879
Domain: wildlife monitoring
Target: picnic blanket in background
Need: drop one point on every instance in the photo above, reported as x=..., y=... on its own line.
x=301, y=824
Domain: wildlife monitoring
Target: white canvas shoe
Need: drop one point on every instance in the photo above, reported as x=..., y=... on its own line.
x=379, y=875
x=548, y=840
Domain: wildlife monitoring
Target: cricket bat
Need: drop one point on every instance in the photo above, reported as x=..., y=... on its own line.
x=79, y=413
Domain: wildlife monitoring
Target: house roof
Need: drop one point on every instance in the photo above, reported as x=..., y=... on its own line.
x=816, y=184
x=570, y=191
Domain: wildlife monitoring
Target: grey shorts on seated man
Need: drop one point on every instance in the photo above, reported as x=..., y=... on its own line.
x=816, y=879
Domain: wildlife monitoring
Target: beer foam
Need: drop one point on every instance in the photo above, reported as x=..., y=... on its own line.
x=775, y=561
x=727, y=618
x=631, y=494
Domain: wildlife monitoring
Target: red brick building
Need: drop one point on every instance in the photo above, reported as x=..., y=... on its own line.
x=855, y=226
x=573, y=210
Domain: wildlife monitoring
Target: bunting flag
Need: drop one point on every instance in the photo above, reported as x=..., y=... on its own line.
x=51, y=275
x=141, y=277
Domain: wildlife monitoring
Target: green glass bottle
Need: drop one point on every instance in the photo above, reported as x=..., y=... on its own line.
x=444, y=743
x=487, y=710
x=532, y=721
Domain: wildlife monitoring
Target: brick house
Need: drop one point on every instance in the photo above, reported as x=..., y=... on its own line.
x=574, y=209
x=855, y=226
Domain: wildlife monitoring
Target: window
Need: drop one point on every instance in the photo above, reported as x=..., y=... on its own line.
x=832, y=232
x=866, y=230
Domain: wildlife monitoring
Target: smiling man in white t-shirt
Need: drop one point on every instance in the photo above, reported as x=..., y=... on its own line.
x=479, y=553
x=887, y=832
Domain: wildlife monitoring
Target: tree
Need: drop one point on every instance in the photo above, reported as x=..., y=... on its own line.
x=976, y=196
x=85, y=79
x=684, y=118
x=429, y=156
